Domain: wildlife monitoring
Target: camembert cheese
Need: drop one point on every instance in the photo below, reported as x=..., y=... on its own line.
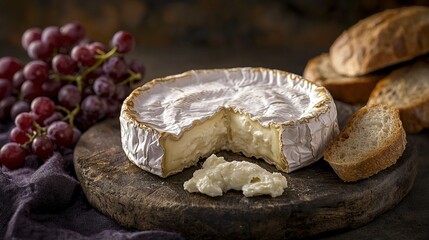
x=218, y=176
x=170, y=123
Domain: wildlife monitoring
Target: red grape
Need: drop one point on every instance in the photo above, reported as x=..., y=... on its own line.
x=5, y=88
x=63, y=64
x=76, y=135
x=51, y=87
x=121, y=92
x=93, y=107
x=18, y=135
x=19, y=107
x=56, y=116
x=97, y=48
x=83, y=122
x=42, y=146
x=113, y=107
x=39, y=119
x=93, y=75
x=6, y=106
x=43, y=106
x=104, y=87
x=39, y=50
x=124, y=41
x=69, y=96
x=84, y=41
x=36, y=71
x=31, y=90
x=8, y=67
x=52, y=36
x=73, y=32
x=12, y=155
x=29, y=36
x=87, y=91
x=24, y=121
x=18, y=79
x=137, y=67
x=61, y=133
x=115, y=67
x=82, y=54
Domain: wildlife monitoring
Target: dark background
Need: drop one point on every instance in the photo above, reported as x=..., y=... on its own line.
x=241, y=25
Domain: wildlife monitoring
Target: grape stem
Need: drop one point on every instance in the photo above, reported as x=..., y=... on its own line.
x=101, y=59
x=79, y=78
x=70, y=114
x=39, y=131
x=133, y=76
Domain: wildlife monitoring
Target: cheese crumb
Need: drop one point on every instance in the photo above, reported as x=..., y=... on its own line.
x=218, y=176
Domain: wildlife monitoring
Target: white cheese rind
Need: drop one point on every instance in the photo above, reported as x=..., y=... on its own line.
x=218, y=176
x=304, y=144
x=141, y=146
x=169, y=108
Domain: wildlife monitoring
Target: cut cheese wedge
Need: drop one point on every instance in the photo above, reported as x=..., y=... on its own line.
x=170, y=123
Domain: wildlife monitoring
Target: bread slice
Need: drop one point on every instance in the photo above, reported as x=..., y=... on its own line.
x=353, y=90
x=372, y=140
x=381, y=40
x=407, y=89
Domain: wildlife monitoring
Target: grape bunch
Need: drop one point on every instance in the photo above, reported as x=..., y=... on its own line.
x=69, y=84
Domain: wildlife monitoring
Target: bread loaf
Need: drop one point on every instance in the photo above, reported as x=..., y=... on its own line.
x=381, y=40
x=353, y=90
x=407, y=89
x=372, y=140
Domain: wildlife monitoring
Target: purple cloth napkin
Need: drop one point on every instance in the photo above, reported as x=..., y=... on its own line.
x=47, y=202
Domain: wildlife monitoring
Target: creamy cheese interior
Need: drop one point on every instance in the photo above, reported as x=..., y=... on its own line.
x=227, y=130
x=254, y=140
x=218, y=176
x=199, y=141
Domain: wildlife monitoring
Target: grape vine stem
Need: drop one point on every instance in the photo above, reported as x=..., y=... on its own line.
x=133, y=76
x=39, y=131
x=70, y=114
x=101, y=59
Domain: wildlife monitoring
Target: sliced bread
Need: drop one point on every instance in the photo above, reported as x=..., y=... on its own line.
x=372, y=140
x=407, y=89
x=381, y=40
x=353, y=90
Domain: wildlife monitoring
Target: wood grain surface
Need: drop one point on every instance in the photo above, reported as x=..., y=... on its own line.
x=316, y=200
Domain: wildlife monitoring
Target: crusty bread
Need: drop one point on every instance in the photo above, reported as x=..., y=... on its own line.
x=372, y=140
x=353, y=90
x=407, y=89
x=381, y=40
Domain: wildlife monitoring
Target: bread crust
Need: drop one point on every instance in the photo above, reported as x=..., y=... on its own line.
x=353, y=90
x=381, y=40
x=374, y=161
x=414, y=116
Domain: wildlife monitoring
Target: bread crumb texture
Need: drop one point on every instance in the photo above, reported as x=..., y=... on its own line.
x=406, y=89
x=372, y=140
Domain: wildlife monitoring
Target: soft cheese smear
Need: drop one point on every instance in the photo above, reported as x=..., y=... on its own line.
x=168, y=124
x=218, y=176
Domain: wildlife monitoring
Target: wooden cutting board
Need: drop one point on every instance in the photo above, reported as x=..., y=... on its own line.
x=315, y=201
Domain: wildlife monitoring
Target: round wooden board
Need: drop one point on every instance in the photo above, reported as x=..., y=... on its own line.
x=315, y=201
